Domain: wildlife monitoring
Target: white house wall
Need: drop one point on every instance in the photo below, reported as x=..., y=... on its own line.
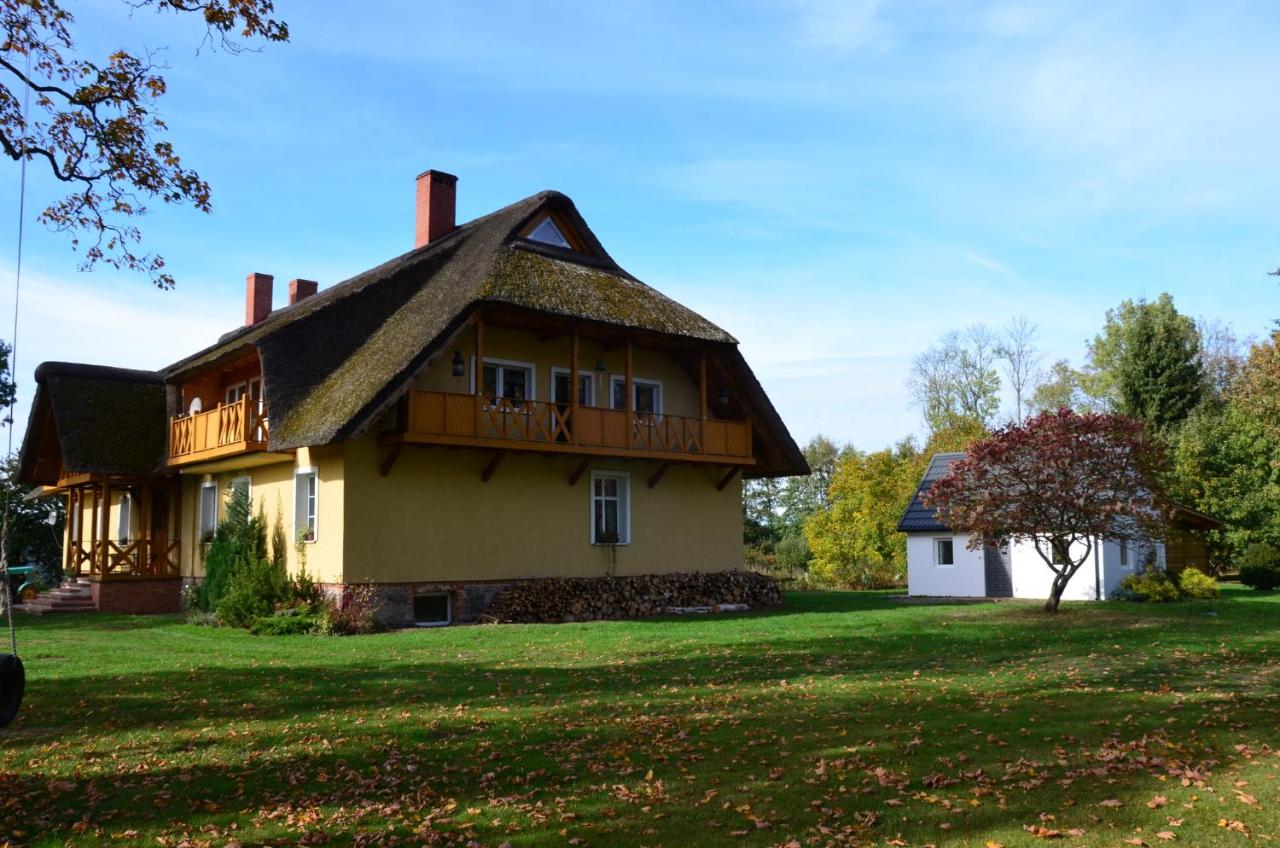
x=1032, y=577
x=965, y=579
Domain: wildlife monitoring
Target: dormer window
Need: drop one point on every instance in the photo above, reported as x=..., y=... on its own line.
x=548, y=233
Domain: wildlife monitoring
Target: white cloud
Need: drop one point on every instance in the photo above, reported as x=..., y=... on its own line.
x=842, y=24
x=108, y=322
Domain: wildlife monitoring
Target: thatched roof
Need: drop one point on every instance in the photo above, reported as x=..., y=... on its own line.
x=333, y=362
x=94, y=419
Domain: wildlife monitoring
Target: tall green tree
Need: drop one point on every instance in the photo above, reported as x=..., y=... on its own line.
x=803, y=496
x=1226, y=463
x=1160, y=376
x=1146, y=363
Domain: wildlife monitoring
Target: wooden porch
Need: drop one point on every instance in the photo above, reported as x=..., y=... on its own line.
x=151, y=551
x=229, y=429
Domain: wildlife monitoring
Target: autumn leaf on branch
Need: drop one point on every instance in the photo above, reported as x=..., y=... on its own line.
x=93, y=122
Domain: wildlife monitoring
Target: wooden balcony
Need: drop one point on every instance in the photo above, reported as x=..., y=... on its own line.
x=228, y=430
x=442, y=418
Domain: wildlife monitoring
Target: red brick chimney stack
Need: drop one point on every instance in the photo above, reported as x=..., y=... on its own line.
x=257, y=298
x=437, y=206
x=299, y=289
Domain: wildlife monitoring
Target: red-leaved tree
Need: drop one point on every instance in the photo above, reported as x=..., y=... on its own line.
x=1060, y=481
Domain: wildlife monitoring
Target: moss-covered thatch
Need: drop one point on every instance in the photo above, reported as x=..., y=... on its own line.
x=102, y=420
x=332, y=362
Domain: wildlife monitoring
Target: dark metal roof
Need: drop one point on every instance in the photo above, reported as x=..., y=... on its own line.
x=919, y=518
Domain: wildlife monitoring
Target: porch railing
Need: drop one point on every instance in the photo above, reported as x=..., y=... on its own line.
x=539, y=422
x=237, y=426
x=120, y=559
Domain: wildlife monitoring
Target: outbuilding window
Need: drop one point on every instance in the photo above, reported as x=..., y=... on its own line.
x=432, y=610
x=610, y=508
x=944, y=551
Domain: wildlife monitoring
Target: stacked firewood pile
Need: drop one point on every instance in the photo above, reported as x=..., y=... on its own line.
x=595, y=598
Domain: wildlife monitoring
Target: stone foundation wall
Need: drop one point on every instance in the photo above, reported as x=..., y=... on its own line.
x=138, y=597
x=575, y=599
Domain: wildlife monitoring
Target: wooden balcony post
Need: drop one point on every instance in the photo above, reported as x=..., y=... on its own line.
x=574, y=400
x=477, y=371
x=702, y=401
x=631, y=397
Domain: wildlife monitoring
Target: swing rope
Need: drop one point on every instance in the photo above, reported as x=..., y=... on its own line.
x=13, y=369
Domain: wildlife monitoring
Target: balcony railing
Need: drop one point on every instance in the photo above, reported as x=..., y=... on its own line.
x=447, y=418
x=233, y=428
x=109, y=560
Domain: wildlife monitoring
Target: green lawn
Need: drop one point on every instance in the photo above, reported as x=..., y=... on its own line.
x=844, y=718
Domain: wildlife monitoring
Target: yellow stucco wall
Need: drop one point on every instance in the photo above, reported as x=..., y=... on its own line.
x=680, y=394
x=272, y=490
x=433, y=519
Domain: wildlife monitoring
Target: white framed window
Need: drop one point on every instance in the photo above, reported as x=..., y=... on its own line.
x=647, y=394
x=561, y=390
x=1126, y=560
x=244, y=484
x=548, y=233
x=610, y=508
x=124, y=519
x=252, y=388
x=944, y=551
x=432, y=609
x=306, y=483
x=208, y=509
x=508, y=379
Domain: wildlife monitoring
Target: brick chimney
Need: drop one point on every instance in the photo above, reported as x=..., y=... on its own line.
x=257, y=298
x=299, y=289
x=437, y=203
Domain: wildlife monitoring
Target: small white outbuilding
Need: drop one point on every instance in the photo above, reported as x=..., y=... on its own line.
x=940, y=562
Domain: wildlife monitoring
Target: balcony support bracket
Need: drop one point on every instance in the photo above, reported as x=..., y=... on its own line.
x=577, y=473
x=659, y=474
x=728, y=478
x=492, y=466
x=390, y=461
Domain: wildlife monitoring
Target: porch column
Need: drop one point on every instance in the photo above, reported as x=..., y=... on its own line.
x=71, y=531
x=144, y=529
x=105, y=530
x=93, y=530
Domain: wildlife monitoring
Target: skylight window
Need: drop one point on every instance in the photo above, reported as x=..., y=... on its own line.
x=548, y=233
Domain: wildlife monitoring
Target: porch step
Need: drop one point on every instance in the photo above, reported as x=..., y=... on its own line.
x=71, y=596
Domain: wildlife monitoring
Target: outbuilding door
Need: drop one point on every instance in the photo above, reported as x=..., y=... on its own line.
x=999, y=574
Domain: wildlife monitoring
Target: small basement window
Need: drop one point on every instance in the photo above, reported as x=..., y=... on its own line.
x=945, y=551
x=433, y=610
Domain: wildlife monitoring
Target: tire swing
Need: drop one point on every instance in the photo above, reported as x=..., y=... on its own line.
x=13, y=677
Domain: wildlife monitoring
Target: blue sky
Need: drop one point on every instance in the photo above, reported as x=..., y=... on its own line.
x=836, y=182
